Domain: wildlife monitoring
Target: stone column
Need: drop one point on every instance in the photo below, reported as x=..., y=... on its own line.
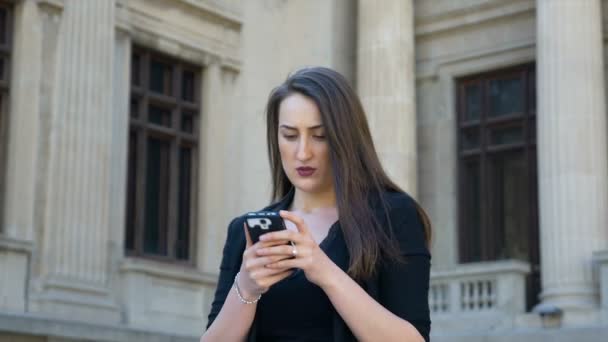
x=76, y=231
x=386, y=84
x=32, y=68
x=572, y=167
x=23, y=140
x=212, y=175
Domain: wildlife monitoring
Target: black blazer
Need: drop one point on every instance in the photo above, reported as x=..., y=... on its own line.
x=401, y=288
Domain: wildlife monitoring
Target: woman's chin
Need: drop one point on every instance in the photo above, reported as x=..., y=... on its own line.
x=307, y=185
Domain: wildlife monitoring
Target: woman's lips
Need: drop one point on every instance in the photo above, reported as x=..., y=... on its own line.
x=305, y=171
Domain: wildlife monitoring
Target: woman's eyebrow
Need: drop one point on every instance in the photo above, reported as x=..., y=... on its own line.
x=294, y=128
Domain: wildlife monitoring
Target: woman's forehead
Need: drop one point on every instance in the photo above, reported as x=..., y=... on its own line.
x=297, y=110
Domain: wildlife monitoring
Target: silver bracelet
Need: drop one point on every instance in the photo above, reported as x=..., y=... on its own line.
x=238, y=292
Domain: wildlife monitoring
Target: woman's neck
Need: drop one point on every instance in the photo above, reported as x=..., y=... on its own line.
x=307, y=202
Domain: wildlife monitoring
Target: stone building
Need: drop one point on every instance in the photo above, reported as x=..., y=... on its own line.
x=132, y=131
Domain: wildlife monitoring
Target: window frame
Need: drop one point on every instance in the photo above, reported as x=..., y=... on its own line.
x=6, y=53
x=490, y=238
x=140, y=131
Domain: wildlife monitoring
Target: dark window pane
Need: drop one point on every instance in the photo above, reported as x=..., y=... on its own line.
x=161, y=77
x=188, y=86
x=157, y=199
x=3, y=26
x=185, y=184
x=507, y=135
x=532, y=92
x=470, y=139
x=508, y=205
x=472, y=105
x=506, y=97
x=159, y=115
x=134, y=108
x=135, y=70
x=131, y=188
x=2, y=120
x=532, y=130
x=188, y=121
x=2, y=69
x=472, y=209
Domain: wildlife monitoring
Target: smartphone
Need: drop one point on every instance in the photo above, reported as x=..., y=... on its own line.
x=262, y=222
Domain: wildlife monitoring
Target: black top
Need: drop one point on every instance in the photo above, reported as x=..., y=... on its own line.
x=297, y=310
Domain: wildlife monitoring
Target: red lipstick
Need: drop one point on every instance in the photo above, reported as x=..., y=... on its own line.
x=305, y=171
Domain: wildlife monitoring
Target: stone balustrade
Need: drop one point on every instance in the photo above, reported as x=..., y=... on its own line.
x=479, y=288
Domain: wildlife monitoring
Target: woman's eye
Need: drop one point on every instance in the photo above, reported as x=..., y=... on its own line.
x=289, y=136
x=319, y=137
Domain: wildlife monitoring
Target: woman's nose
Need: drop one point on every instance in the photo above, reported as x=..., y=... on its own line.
x=304, y=151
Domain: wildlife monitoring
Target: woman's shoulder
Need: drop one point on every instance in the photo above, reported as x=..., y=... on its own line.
x=405, y=221
x=397, y=202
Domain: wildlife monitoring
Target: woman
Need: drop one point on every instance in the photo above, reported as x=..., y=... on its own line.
x=360, y=266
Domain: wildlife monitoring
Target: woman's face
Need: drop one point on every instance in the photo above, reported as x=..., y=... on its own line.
x=303, y=146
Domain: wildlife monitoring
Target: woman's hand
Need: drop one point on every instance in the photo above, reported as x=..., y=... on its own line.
x=305, y=255
x=255, y=277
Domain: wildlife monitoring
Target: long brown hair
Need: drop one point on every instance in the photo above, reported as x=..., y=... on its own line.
x=357, y=172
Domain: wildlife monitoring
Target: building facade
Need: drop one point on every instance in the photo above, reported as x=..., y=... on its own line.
x=132, y=131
